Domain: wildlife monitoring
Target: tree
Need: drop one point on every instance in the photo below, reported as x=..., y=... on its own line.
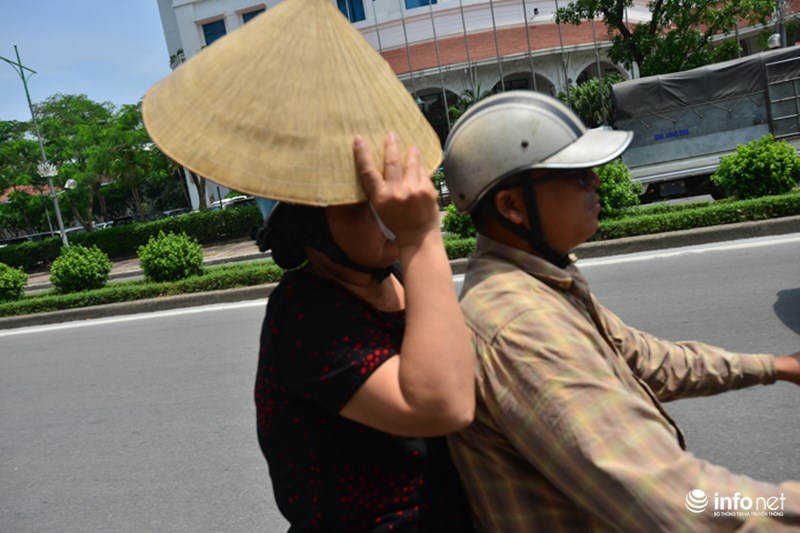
x=587, y=103
x=124, y=153
x=19, y=155
x=106, y=150
x=678, y=36
x=467, y=99
x=200, y=184
x=72, y=127
x=165, y=187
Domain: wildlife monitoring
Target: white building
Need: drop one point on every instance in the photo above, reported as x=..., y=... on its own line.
x=438, y=48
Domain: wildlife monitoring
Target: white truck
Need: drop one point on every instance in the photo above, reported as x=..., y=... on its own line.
x=684, y=122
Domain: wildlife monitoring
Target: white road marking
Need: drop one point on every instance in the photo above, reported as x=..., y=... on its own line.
x=133, y=318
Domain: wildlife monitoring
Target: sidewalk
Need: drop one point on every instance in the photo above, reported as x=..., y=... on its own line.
x=245, y=250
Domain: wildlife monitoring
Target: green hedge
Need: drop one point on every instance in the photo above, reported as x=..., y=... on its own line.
x=672, y=217
x=216, y=278
x=712, y=214
x=123, y=241
x=655, y=209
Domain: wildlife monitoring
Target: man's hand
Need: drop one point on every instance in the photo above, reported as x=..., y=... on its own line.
x=403, y=196
x=787, y=368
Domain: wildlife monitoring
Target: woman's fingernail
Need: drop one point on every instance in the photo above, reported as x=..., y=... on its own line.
x=392, y=136
x=358, y=141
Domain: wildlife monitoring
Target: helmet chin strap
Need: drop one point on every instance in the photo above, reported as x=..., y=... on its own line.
x=533, y=235
x=326, y=244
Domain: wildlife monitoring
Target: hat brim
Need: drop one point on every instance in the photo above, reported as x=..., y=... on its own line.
x=594, y=148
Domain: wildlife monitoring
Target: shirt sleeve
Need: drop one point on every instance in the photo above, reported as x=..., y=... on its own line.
x=328, y=346
x=609, y=451
x=675, y=370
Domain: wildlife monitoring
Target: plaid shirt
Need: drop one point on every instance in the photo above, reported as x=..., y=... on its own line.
x=569, y=433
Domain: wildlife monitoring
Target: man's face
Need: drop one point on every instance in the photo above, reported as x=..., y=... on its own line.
x=568, y=206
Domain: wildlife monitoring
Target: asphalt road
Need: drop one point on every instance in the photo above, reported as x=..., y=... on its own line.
x=134, y=425
x=146, y=422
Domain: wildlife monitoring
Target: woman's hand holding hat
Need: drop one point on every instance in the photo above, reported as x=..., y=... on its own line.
x=402, y=195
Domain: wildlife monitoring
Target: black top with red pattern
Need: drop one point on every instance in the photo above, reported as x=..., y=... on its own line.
x=319, y=344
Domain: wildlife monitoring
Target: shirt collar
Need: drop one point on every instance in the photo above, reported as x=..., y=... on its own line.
x=560, y=278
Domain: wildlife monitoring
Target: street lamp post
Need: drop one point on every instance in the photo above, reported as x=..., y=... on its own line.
x=46, y=169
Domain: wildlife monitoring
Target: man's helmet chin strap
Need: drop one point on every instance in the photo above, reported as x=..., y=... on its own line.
x=533, y=235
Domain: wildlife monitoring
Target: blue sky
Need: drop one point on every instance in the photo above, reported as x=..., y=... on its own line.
x=109, y=50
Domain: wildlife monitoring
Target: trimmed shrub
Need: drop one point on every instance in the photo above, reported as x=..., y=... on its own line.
x=459, y=248
x=759, y=168
x=78, y=268
x=170, y=257
x=457, y=223
x=617, y=190
x=12, y=283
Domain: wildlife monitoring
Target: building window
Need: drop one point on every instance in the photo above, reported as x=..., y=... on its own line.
x=246, y=17
x=352, y=9
x=213, y=31
x=411, y=4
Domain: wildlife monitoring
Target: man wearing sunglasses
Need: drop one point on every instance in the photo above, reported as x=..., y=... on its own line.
x=569, y=432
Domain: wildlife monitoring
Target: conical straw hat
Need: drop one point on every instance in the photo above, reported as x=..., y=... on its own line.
x=272, y=108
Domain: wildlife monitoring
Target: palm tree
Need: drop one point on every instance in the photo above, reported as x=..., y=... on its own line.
x=467, y=99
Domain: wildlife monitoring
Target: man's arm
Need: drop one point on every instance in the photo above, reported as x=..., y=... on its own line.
x=604, y=446
x=677, y=370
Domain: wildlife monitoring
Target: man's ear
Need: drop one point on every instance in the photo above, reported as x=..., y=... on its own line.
x=510, y=204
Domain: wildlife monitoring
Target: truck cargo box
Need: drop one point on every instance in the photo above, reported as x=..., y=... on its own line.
x=684, y=122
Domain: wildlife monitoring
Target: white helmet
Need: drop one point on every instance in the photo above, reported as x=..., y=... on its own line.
x=515, y=131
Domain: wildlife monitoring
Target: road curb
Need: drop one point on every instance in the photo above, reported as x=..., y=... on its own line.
x=677, y=239
x=588, y=250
